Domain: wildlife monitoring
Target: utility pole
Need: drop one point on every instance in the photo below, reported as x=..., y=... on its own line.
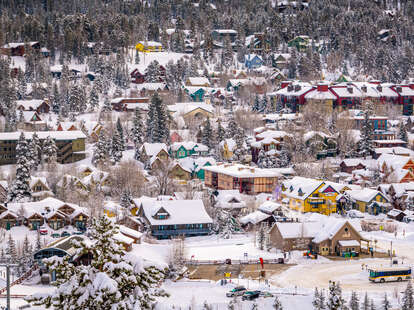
x=8, y=265
x=391, y=253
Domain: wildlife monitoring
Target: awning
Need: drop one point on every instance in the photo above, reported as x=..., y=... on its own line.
x=349, y=243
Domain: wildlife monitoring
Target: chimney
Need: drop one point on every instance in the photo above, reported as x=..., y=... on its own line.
x=285, y=84
x=322, y=87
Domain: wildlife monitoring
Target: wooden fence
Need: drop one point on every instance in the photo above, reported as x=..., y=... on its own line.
x=233, y=262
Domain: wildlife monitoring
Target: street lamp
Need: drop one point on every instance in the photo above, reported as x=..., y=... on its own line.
x=8, y=265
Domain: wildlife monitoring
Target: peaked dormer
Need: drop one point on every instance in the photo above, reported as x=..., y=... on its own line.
x=161, y=214
x=300, y=192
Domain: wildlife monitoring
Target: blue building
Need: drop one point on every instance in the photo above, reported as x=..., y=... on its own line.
x=171, y=218
x=253, y=61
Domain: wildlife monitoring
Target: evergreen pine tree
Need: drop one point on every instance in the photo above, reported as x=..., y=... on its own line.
x=277, y=305
x=113, y=280
x=20, y=189
x=107, y=106
x=116, y=148
x=100, y=149
x=319, y=300
x=220, y=132
x=335, y=300
x=365, y=144
x=372, y=306
x=354, y=302
x=408, y=302
x=256, y=105
x=137, y=59
x=126, y=198
x=49, y=150
x=137, y=133
x=240, y=148
x=207, y=134
x=232, y=127
x=386, y=305
x=93, y=98
x=56, y=100
x=365, y=304
x=157, y=127
x=261, y=237
x=35, y=151
x=153, y=72
x=402, y=132
x=11, y=251
x=120, y=131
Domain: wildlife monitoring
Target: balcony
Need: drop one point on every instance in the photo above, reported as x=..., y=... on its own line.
x=316, y=201
x=180, y=232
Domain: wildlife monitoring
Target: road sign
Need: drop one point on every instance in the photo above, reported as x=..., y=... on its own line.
x=227, y=274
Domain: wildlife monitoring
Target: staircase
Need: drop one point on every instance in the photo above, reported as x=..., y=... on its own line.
x=25, y=276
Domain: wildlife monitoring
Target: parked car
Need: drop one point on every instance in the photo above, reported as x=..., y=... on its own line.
x=79, y=232
x=43, y=230
x=251, y=295
x=266, y=294
x=237, y=291
x=55, y=235
x=355, y=214
x=64, y=234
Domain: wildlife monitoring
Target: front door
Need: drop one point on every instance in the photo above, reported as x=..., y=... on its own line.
x=8, y=226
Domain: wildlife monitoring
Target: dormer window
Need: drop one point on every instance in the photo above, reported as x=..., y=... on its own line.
x=300, y=192
x=291, y=188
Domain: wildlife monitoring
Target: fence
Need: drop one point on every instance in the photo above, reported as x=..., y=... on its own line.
x=25, y=276
x=234, y=261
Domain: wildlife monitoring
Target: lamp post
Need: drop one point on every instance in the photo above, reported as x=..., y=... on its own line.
x=8, y=265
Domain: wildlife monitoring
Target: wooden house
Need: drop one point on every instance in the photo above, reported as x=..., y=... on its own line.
x=300, y=42
x=8, y=219
x=246, y=179
x=56, y=220
x=253, y=61
x=40, y=106
x=149, y=46
x=137, y=77
x=197, y=81
x=171, y=218
x=368, y=200
x=180, y=172
x=19, y=48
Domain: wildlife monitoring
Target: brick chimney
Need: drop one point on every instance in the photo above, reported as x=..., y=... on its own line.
x=322, y=87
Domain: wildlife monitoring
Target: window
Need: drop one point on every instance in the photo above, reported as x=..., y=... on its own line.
x=346, y=229
x=181, y=153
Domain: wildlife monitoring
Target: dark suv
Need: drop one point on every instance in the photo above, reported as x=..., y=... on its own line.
x=251, y=295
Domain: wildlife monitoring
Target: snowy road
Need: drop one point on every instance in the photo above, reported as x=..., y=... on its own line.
x=349, y=273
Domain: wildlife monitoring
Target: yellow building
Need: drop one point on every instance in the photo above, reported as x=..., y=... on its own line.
x=369, y=200
x=310, y=195
x=149, y=46
x=111, y=209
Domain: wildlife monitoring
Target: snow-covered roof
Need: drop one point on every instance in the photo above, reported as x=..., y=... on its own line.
x=298, y=230
x=179, y=212
x=199, y=81
x=130, y=232
x=254, y=218
x=225, y=31
x=311, y=134
x=150, y=43
x=242, y=171
x=186, y=107
x=365, y=195
x=349, y=243
x=393, y=161
x=150, y=86
x=269, y=207
x=152, y=149
x=301, y=187
x=56, y=135
x=320, y=95
x=29, y=104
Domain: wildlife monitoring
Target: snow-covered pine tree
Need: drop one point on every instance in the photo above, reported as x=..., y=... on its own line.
x=365, y=303
x=221, y=134
x=365, y=144
x=232, y=127
x=157, y=127
x=120, y=131
x=277, y=304
x=206, y=306
x=262, y=159
x=372, y=306
x=56, y=100
x=113, y=280
x=254, y=306
x=38, y=244
x=100, y=149
x=335, y=300
x=261, y=236
x=207, y=134
x=49, y=150
x=20, y=189
x=77, y=99
x=107, y=106
x=153, y=72
x=225, y=224
x=126, y=198
x=256, y=104
x=116, y=148
x=408, y=301
x=11, y=251
x=137, y=133
x=35, y=151
x=402, y=132
x=240, y=148
x=93, y=98
x=354, y=302
x=386, y=305
x=265, y=107
x=319, y=300
x=284, y=157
